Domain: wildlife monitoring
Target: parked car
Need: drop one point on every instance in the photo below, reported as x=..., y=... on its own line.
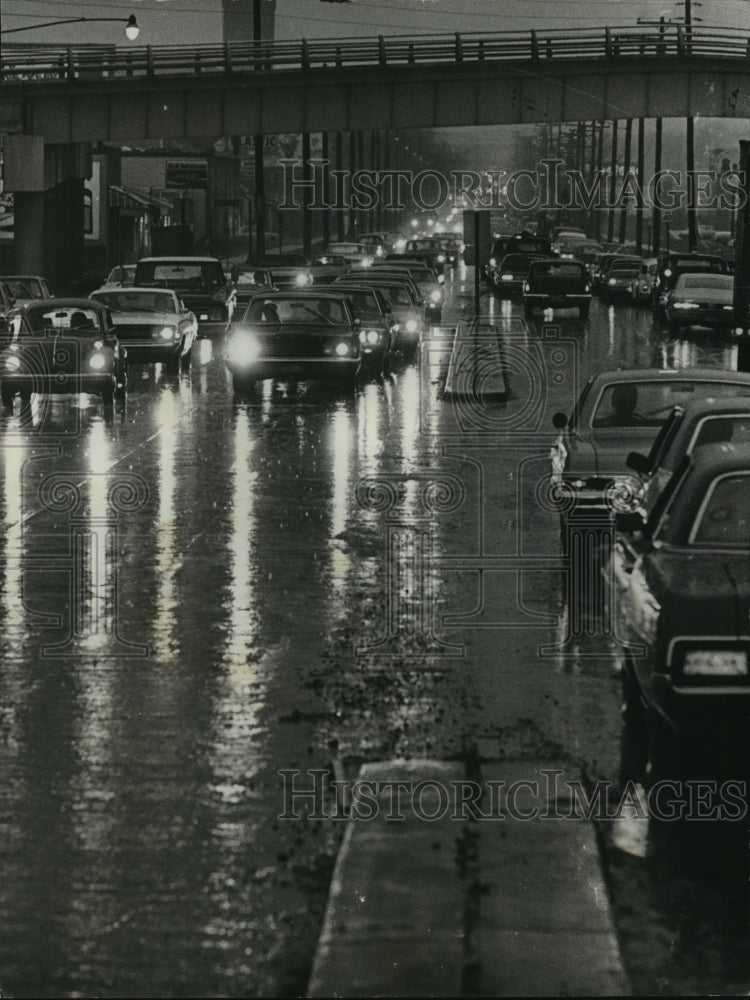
x=406, y=305
x=672, y=265
x=697, y=422
x=619, y=412
x=557, y=283
x=620, y=277
x=62, y=346
x=153, y=324
x=683, y=591
x=26, y=287
x=642, y=283
x=357, y=254
x=120, y=277
x=199, y=281
x=295, y=335
x=699, y=299
x=377, y=326
x=509, y=275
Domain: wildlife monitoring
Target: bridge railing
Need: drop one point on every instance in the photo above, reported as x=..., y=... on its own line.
x=64, y=63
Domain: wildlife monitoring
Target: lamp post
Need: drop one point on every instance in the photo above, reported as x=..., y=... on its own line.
x=131, y=25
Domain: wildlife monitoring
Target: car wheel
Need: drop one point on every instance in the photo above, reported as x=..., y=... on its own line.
x=7, y=399
x=108, y=394
x=122, y=383
x=584, y=311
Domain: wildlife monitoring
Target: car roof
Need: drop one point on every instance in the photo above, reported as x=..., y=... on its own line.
x=134, y=288
x=25, y=277
x=187, y=258
x=670, y=374
x=301, y=293
x=63, y=303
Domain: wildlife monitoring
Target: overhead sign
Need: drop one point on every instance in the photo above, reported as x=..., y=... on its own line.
x=186, y=174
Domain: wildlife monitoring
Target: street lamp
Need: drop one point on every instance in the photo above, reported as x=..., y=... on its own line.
x=131, y=25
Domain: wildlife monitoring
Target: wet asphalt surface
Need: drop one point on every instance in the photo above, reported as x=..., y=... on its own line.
x=197, y=592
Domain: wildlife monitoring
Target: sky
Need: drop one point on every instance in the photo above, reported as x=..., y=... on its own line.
x=189, y=22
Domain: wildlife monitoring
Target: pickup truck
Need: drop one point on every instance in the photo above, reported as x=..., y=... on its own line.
x=557, y=283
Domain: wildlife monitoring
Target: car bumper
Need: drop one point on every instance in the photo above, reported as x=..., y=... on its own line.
x=701, y=711
x=147, y=351
x=700, y=317
x=317, y=369
x=539, y=299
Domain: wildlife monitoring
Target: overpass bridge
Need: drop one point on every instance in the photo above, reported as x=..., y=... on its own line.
x=176, y=92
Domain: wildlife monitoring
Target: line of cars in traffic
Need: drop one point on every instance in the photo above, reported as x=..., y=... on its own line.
x=567, y=269
x=343, y=316
x=651, y=471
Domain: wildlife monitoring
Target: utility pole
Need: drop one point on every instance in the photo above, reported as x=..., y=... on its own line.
x=612, y=183
x=656, y=214
x=641, y=181
x=625, y=175
x=690, y=141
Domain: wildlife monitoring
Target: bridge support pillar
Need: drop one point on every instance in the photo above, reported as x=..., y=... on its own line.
x=28, y=225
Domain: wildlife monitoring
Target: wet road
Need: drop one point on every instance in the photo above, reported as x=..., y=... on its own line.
x=196, y=593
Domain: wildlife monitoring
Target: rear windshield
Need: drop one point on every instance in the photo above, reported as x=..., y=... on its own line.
x=186, y=276
x=707, y=281
x=152, y=302
x=557, y=269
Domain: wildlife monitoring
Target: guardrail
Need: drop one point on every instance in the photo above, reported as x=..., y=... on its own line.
x=67, y=63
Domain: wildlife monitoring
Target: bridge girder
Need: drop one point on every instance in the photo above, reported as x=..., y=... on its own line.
x=351, y=98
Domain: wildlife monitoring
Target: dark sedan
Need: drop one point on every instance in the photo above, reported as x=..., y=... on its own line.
x=683, y=585
x=62, y=346
x=295, y=336
x=377, y=327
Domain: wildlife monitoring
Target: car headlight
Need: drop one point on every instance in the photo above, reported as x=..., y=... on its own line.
x=587, y=288
x=167, y=332
x=506, y=277
x=527, y=287
x=97, y=361
x=441, y=279
x=302, y=280
x=435, y=296
x=411, y=326
x=12, y=363
x=373, y=337
x=612, y=281
x=685, y=305
x=441, y=258
x=493, y=261
x=342, y=350
x=243, y=348
x=379, y=252
x=367, y=262
x=667, y=272
x=715, y=663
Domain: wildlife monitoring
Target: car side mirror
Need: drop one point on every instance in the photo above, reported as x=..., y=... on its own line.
x=559, y=420
x=637, y=462
x=630, y=522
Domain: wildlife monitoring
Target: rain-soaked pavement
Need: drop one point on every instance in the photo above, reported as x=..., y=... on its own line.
x=198, y=593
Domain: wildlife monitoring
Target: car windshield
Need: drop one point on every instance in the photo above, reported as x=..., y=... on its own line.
x=150, y=302
x=313, y=311
x=725, y=281
x=186, y=276
x=25, y=288
x=346, y=248
x=623, y=272
x=649, y=404
x=75, y=320
x=124, y=272
x=252, y=279
x=724, y=516
x=397, y=295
